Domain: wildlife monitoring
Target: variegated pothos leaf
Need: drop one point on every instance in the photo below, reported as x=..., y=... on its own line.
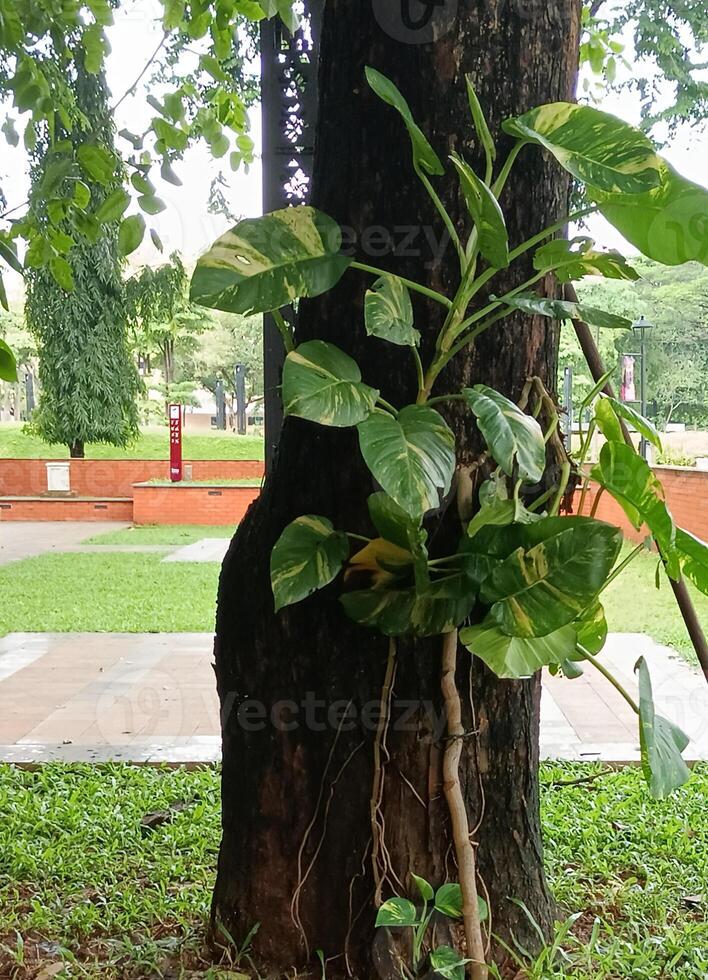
x=323, y=384
x=307, y=556
x=388, y=312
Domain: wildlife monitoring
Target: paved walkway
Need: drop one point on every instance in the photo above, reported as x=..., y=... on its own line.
x=25, y=539
x=151, y=698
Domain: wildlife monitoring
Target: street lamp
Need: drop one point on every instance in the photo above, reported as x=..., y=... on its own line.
x=641, y=326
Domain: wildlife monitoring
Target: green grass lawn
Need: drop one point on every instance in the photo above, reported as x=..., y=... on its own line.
x=130, y=593
x=634, y=605
x=177, y=534
x=76, y=871
x=153, y=443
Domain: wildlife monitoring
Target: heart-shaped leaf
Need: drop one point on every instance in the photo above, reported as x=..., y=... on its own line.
x=424, y=887
x=495, y=507
x=577, y=258
x=404, y=611
x=632, y=483
x=694, y=558
x=307, y=556
x=448, y=900
x=622, y=410
x=323, y=384
x=391, y=521
x=661, y=742
x=397, y=912
x=388, y=312
x=486, y=214
x=517, y=656
x=667, y=224
x=265, y=263
x=548, y=581
x=595, y=147
x=510, y=433
x=424, y=156
x=560, y=309
x=411, y=456
x=446, y=962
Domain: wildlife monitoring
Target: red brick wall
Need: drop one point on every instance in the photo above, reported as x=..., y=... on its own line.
x=191, y=505
x=66, y=510
x=686, y=495
x=113, y=477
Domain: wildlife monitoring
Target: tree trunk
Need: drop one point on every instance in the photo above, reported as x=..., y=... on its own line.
x=296, y=849
x=76, y=449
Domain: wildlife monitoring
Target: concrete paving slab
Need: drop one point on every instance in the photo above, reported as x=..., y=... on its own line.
x=207, y=549
x=148, y=698
x=26, y=539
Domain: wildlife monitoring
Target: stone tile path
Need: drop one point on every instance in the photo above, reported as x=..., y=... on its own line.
x=208, y=549
x=151, y=698
x=25, y=539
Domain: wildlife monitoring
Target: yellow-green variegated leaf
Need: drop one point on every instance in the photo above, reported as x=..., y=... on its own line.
x=693, y=554
x=661, y=741
x=265, y=263
x=323, y=384
x=424, y=156
x=632, y=483
x=412, y=456
x=307, y=556
x=438, y=609
x=388, y=312
x=595, y=147
x=609, y=410
x=668, y=223
x=486, y=214
x=511, y=435
x=553, y=577
x=517, y=656
x=577, y=258
x=561, y=309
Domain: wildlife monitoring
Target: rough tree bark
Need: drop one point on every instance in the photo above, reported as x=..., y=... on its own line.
x=307, y=778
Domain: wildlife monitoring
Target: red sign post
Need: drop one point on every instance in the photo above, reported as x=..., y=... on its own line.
x=175, y=443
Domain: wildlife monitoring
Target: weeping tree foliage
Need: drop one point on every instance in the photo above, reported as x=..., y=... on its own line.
x=76, y=311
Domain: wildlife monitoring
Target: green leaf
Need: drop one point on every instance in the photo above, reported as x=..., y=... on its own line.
x=552, y=578
x=265, y=263
x=517, y=656
x=113, y=207
x=397, y=912
x=694, y=558
x=388, y=312
x=3, y=298
x=636, y=489
x=97, y=162
x=447, y=963
x=576, y=258
x=391, y=521
x=496, y=509
x=607, y=421
x=307, y=556
x=156, y=240
x=667, y=224
x=591, y=627
x=560, y=309
x=661, y=742
x=510, y=433
x=424, y=887
x=594, y=146
x=130, y=233
x=151, y=204
x=448, y=900
x=61, y=272
x=424, y=156
x=485, y=213
x=95, y=47
x=323, y=384
x=8, y=252
x=397, y=612
x=8, y=365
x=82, y=194
x=621, y=410
x=412, y=456
x=480, y=122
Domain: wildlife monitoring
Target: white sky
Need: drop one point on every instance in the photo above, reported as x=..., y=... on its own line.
x=186, y=225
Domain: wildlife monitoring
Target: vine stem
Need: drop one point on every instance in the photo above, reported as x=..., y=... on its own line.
x=598, y=665
x=415, y=286
x=458, y=814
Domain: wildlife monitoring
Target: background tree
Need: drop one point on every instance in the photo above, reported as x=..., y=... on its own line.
x=279, y=781
x=88, y=379
x=234, y=339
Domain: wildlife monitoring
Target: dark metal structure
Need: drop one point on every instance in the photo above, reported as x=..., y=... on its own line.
x=289, y=111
